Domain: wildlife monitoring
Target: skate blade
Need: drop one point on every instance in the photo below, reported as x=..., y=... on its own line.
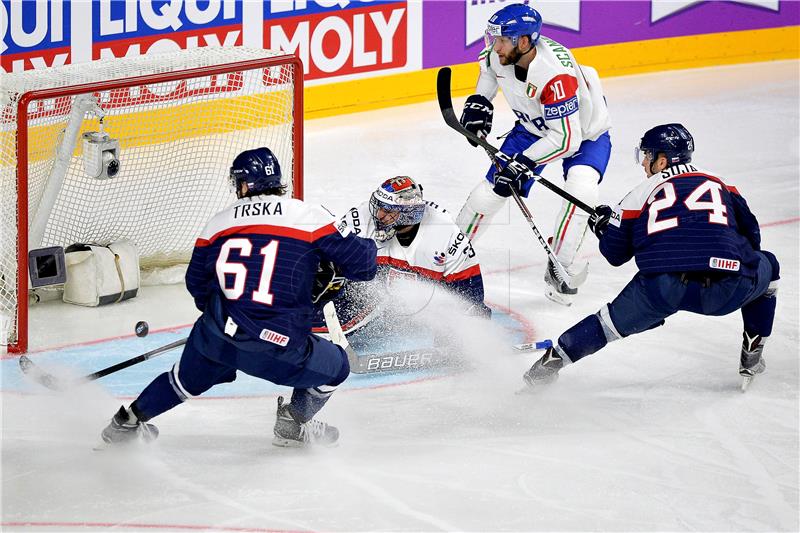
x=101, y=446
x=288, y=443
x=746, y=381
x=559, y=298
x=530, y=390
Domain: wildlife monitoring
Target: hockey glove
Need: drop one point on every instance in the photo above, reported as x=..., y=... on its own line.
x=513, y=175
x=328, y=283
x=477, y=116
x=599, y=220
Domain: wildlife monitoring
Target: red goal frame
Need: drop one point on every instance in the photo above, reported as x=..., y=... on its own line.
x=21, y=344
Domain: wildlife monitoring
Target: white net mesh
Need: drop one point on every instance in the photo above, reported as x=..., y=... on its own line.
x=176, y=142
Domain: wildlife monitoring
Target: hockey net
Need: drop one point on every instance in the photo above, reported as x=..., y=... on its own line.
x=179, y=119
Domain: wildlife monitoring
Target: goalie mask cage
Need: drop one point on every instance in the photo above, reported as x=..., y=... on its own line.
x=174, y=121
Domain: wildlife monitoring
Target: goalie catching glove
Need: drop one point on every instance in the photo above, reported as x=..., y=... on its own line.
x=328, y=283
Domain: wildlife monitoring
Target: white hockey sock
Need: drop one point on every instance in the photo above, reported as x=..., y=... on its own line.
x=481, y=205
x=571, y=223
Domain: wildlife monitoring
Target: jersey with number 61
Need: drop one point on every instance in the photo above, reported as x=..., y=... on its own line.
x=683, y=220
x=257, y=259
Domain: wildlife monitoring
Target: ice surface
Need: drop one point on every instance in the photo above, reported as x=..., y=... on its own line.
x=652, y=433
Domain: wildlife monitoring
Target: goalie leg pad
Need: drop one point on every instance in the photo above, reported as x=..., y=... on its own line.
x=571, y=222
x=481, y=205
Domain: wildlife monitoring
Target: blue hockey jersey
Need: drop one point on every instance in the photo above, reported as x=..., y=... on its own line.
x=259, y=258
x=683, y=220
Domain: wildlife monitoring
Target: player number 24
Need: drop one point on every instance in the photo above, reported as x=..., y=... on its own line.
x=239, y=270
x=717, y=212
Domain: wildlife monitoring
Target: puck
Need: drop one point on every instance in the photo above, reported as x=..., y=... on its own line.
x=142, y=329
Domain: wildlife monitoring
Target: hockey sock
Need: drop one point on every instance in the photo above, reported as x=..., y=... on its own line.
x=759, y=315
x=158, y=397
x=307, y=402
x=584, y=338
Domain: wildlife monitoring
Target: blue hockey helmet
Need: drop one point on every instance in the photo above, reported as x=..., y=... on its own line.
x=673, y=140
x=514, y=21
x=259, y=168
x=400, y=199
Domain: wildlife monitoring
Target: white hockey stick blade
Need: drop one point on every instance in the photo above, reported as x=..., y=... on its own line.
x=371, y=363
x=533, y=346
x=337, y=334
x=40, y=376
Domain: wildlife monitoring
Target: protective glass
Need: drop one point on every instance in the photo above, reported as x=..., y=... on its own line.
x=640, y=154
x=407, y=215
x=493, y=33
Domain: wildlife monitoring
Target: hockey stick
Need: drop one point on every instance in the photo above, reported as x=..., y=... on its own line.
x=532, y=346
x=371, y=363
x=337, y=334
x=53, y=382
x=446, y=106
x=560, y=272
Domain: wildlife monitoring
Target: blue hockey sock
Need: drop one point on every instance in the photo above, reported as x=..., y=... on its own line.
x=584, y=338
x=307, y=402
x=158, y=397
x=759, y=314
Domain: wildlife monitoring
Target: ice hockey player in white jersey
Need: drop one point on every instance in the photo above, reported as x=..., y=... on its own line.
x=561, y=115
x=416, y=241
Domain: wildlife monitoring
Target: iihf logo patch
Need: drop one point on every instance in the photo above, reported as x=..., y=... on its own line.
x=438, y=258
x=531, y=90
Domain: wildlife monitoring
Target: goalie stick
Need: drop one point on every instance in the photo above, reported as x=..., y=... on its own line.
x=56, y=383
x=446, y=106
x=371, y=363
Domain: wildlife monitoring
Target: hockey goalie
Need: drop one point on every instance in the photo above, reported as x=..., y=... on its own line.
x=420, y=252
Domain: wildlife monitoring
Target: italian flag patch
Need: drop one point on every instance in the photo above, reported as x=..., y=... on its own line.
x=530, y=90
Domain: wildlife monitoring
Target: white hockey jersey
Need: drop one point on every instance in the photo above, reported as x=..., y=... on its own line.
x=560, y=101
x=439, y=252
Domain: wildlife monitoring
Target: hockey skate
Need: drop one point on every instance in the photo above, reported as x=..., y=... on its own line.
x=290, y=433
x=544, y=371
x=555, y=290
x=751, y=362
x=122, y=431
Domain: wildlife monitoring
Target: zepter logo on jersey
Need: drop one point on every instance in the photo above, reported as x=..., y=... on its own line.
x=560, y=97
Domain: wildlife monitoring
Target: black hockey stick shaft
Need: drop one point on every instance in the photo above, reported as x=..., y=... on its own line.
x=134, y=360
x=54, y=382
x=446, y=107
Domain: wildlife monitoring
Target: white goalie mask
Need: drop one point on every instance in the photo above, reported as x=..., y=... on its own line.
x=397, y=202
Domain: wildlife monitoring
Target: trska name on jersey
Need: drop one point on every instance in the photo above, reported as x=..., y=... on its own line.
x=257, y=209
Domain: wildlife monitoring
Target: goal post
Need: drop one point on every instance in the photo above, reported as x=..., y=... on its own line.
x=134, y=148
